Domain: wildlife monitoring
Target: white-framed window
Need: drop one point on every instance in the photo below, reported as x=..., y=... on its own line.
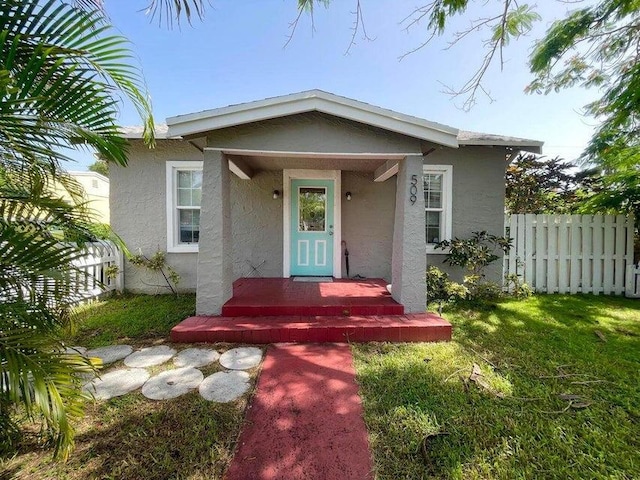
x=437, y=184
x=184, y=195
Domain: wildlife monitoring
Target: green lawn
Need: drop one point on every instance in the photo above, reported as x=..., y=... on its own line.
x=131, y=437
x=516, y=425
x=129, y=318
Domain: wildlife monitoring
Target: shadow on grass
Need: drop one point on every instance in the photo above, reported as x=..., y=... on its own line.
x=131, y=437
x=411, y=392
x=124, y=317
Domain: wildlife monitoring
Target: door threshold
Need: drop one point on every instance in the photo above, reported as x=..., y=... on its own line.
x=313, y=279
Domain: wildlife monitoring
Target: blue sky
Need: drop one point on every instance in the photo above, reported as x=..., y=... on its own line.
x=237, y=55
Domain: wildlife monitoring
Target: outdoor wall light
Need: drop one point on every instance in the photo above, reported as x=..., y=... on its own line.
x=348, y=195
x=276, y=194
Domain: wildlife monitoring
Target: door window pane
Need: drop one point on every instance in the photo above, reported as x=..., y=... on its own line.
x=312, y=207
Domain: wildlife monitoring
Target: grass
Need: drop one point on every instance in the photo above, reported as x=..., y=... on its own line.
x=131, y=437
x=427, y=420
x=129, y=318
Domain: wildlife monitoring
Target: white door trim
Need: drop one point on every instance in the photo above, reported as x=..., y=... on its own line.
x=334, y=175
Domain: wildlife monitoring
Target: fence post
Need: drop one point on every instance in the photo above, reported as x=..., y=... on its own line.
x=119, y=280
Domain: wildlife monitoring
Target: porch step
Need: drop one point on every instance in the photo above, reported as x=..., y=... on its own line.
x=265, y=297
x=424, y=327
x=310, y=310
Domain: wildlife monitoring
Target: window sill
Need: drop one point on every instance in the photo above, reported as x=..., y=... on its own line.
x=183, y=249
x=432, y=251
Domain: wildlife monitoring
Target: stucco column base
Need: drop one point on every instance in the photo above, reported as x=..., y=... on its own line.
x=409, y=259
x=215, y=268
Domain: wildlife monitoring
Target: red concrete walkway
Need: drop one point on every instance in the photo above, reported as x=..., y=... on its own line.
x=305, y=421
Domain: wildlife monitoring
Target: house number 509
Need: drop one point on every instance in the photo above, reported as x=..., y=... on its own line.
x=413, y=189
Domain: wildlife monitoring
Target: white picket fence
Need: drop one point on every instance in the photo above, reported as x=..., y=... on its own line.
x=91, y=277
x=570, y=253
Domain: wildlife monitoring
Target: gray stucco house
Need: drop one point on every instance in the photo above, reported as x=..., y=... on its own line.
x=280, y=187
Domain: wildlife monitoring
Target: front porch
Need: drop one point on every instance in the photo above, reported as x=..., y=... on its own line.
x=273, y=310
x=262, y=297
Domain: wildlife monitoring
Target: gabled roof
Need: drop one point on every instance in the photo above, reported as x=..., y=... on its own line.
x=195, y=124
x=313, y=100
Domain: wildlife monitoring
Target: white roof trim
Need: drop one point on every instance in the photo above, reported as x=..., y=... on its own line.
x=486, y=139
x=314, y=100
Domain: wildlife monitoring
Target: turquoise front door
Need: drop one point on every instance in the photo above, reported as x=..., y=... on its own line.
x=312, y=227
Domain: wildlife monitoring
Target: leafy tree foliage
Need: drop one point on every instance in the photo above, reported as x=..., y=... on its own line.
x=100, y=166
x=61, y=75
x=535, y=184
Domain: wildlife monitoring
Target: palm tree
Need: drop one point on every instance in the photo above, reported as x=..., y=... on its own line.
x=62, y=75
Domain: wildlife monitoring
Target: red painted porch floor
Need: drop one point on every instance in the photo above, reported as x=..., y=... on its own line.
x=276, y=310
x=259, y=297
x=305, y=420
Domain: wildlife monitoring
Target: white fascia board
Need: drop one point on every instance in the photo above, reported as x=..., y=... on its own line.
x=534, y=146
x=197, y=123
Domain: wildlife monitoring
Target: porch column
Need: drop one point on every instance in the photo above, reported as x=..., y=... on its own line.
x=409, y=260
x=215, y=268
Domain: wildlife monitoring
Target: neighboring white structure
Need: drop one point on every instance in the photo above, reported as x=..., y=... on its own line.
x=96, y=187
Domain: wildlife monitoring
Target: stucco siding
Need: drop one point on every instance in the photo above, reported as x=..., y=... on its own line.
x=478, y=197
x=256, y=225
x=138, y=210
x=367, y=224
x=138, y=207
x=314, y=132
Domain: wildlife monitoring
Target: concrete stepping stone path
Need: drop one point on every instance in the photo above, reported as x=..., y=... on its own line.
x=111, y=353
x=75, y=351
x=149, y=357
x=195, y=357
x=172, y=383
x=224, y=387
x=241, y=358
x=117, y=383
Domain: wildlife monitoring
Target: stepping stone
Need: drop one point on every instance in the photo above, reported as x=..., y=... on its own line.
x=148, y=357
x=117, y=383
x=224, y=387
x=195, y=357
x=111, y=353
x=75, y=351
x=172, y=383
x=241, y=358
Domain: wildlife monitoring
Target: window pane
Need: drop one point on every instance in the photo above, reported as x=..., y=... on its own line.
x=434, y=200
x=196, y=197
x=432, y=190
x=184, y=179
x=196, y=179
x=184, y=197
x=189, y=226
x=312, y=209
x=433, y=222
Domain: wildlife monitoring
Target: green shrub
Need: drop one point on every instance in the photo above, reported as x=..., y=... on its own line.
x=441, y=290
